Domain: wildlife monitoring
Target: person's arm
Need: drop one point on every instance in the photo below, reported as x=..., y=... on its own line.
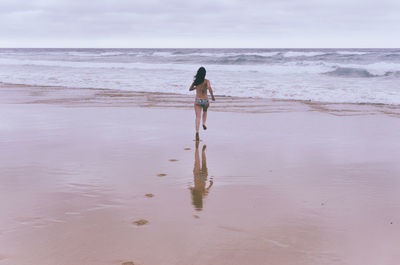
x=192, y=87
x=211, y=91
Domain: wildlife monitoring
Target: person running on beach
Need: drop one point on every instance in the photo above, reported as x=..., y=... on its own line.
x=201, y=102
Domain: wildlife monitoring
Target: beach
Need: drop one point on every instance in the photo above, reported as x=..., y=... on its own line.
x=100, y=176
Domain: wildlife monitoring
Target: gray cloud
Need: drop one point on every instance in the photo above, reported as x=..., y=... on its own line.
x=218, y=23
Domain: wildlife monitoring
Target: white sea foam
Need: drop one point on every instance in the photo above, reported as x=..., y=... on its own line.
x=165, y=54
x=82, y=54
x=80, y=64
x=289, y=67
x=351, y=53
x=231, y=54
x=306, y=54
x=111, y=53
x=93, y=54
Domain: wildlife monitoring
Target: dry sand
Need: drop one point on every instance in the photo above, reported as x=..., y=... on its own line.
x=283, y=183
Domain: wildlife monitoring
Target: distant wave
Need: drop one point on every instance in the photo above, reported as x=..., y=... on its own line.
x=106, y=65
x=251, y=63
x=82, y=54
x=301, y=54
x=395, y=73
x=392, y=55
x=239, y=59
x=94, y=54
x=350, y=72
x=352, y=53
x=215, y=54
x=111, y=53
x=359, y=72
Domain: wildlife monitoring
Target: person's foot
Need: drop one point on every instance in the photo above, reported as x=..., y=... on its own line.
x=197, y=137
x=204, y=127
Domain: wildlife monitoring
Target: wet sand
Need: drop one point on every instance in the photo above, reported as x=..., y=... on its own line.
x=110, y=177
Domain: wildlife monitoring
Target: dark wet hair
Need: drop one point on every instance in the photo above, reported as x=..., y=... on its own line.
x=199, y=77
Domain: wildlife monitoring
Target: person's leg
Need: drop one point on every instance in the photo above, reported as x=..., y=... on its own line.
x=205, y=115
x=197, y=109
x=204, y=162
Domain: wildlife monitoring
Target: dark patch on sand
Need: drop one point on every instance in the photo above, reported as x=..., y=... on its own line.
x=161, y=175
x=149, y=195
x=128, y=263
x=173, y=160
x=196, y=216
x=140, y=222
x=187, y=148
x=2, y=257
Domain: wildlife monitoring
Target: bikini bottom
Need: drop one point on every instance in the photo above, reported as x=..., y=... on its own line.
x=202, y=102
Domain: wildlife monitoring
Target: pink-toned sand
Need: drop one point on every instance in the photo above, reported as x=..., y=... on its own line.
x=111, y=177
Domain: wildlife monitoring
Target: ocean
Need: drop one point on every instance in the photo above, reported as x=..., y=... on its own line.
x=321, y=75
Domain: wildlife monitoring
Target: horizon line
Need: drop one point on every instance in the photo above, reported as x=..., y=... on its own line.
x=272, y=48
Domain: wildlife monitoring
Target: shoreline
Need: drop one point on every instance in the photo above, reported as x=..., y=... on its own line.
x=117, y=97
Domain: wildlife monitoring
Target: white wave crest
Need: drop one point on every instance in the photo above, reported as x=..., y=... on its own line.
x=306, y=54
x=352, y=53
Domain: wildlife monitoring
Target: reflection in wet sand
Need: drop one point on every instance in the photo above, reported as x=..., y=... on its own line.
x=200, y=175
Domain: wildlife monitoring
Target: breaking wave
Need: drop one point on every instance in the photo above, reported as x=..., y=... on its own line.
x=350, y=72
x=371, y=70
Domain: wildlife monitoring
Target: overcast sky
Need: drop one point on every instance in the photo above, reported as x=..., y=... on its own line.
x=205, y=23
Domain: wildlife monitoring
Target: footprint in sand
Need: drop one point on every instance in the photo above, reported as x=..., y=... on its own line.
x=128, y=263
x=161, y=175
x=173, y=160
x=140, y=222
x=149, y=195
x=187, y=148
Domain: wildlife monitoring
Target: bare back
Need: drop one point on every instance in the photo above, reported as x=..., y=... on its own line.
x=202, y=89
